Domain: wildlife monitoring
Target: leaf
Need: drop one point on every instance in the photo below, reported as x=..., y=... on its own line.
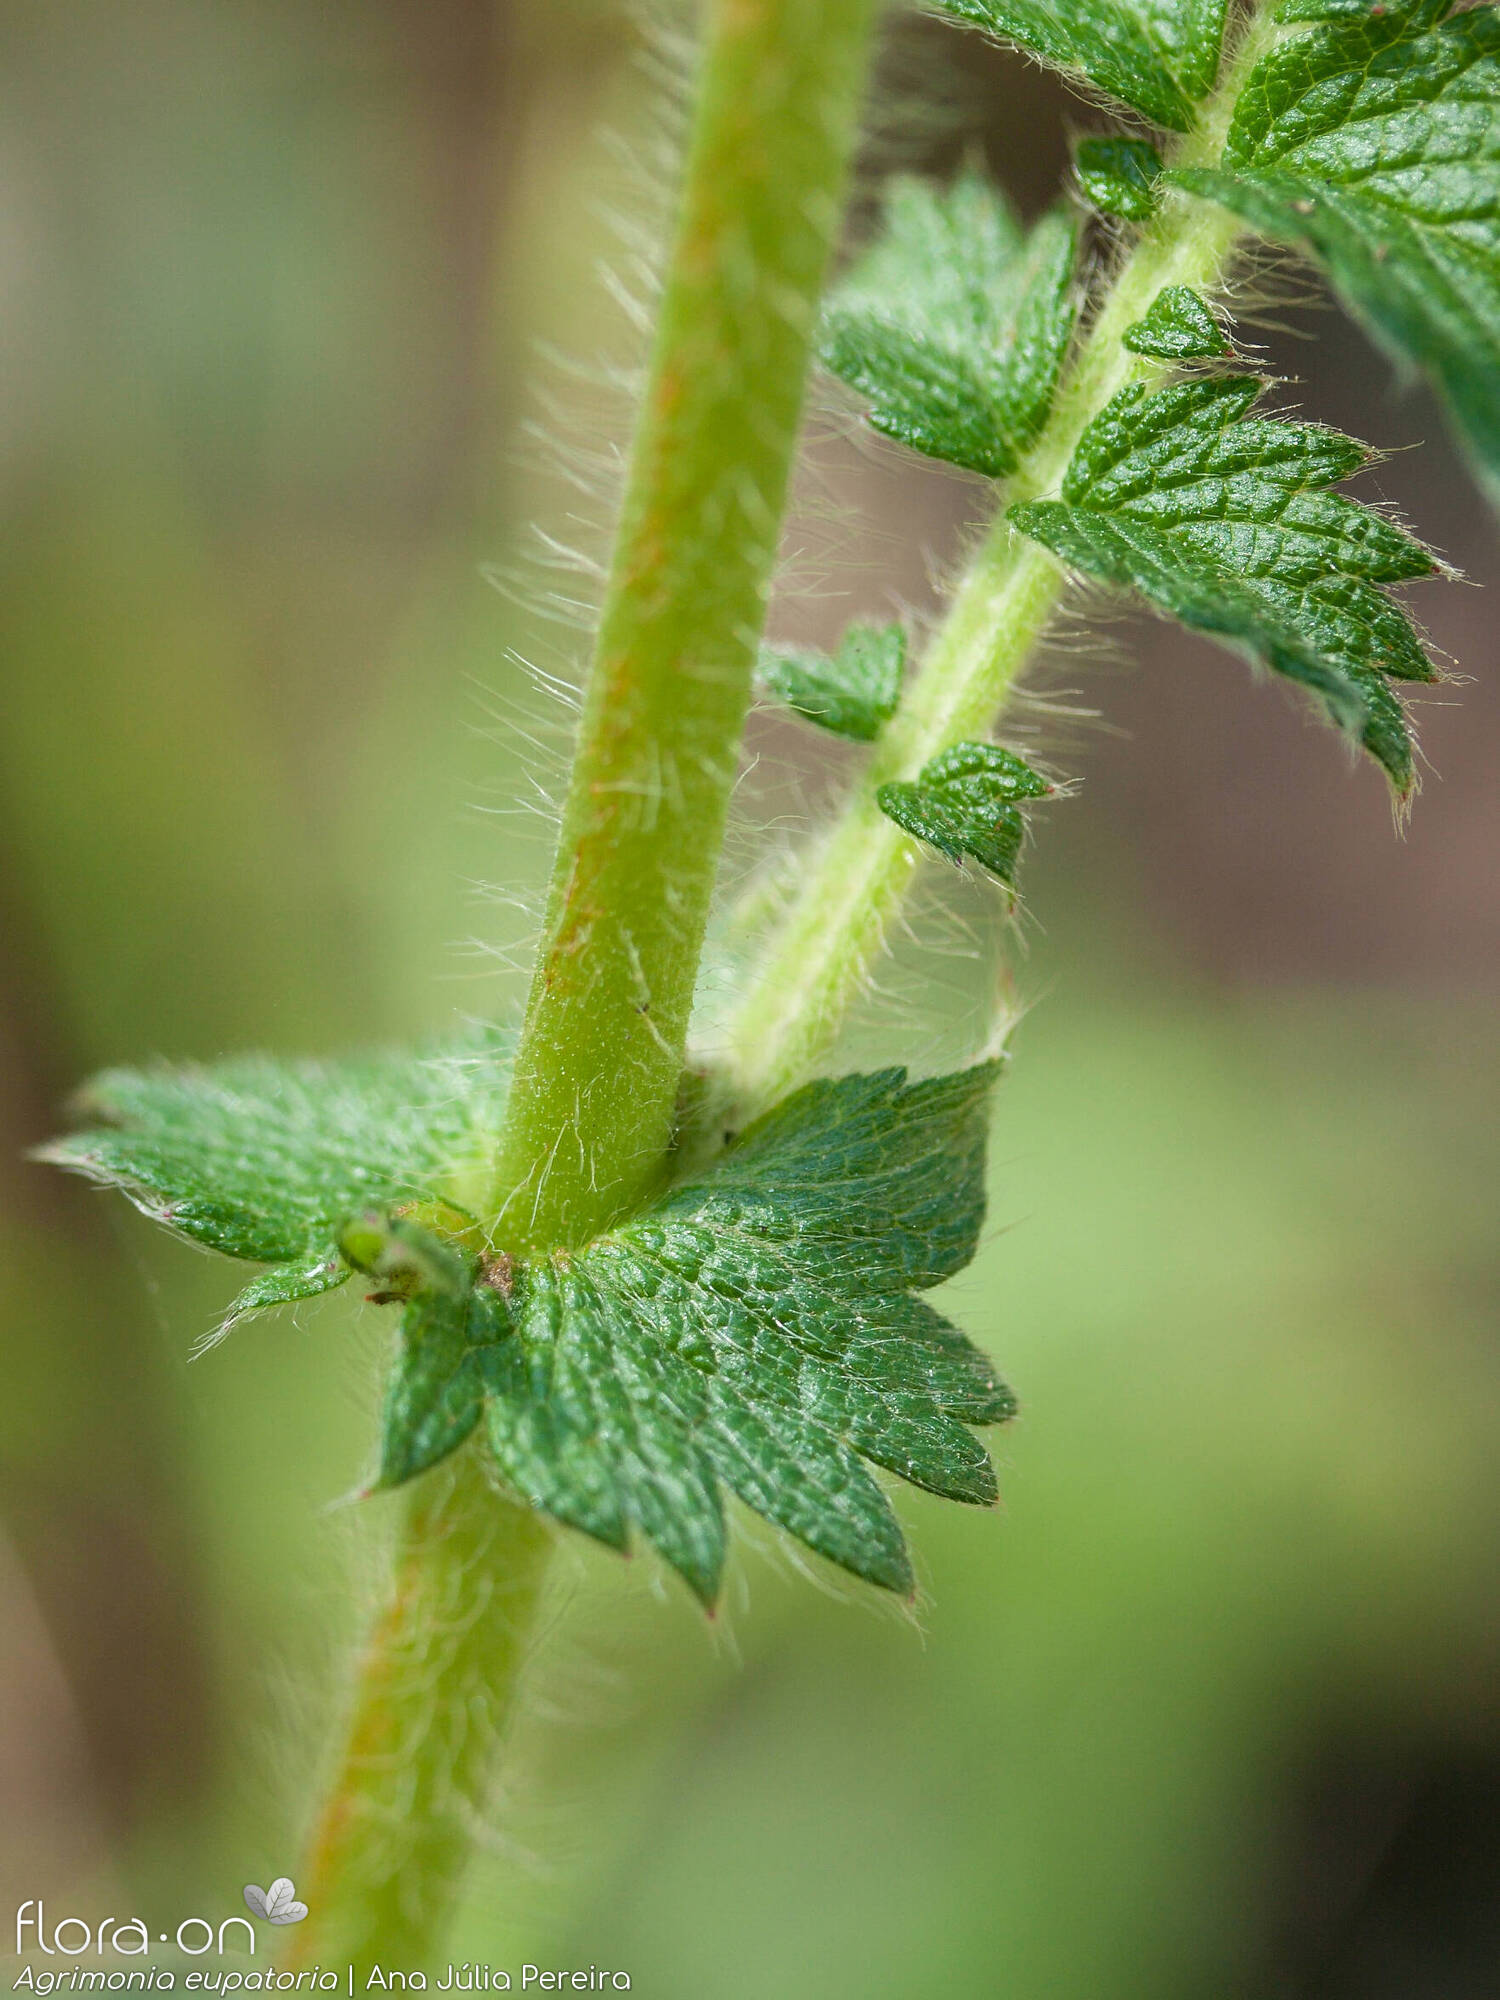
x=1158, y=56
x=612, y=1436
x=954, y=323
x=1223, y=521
x=268, y=1160
x=436, y=1392
x=756, y=1328
x=541, y=1424
x=1119, y=176
x=284, y=1285
x=1373, y=143
x=965, y=803
x=1177, y=326
x=854, y=693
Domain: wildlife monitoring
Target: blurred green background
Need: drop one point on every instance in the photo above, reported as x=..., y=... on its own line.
x=1210, y=1707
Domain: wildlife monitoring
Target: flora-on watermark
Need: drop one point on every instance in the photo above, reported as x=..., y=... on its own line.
x=77, y=1937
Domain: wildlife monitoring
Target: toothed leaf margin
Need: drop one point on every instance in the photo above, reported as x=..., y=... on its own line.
x=966, y=803
x=1224, y=521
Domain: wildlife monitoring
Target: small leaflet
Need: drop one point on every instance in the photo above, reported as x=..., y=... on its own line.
x=1177, y=326
x=1224, y=520
x=1119, y=176
x=966, y=803
x=954, y=324
x=852, y=692
x=1161, y=57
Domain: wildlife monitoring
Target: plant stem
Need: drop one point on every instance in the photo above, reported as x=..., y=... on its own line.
x=433, y=1696
x=599, y=1067
x=856, y=882
x=594, y=1096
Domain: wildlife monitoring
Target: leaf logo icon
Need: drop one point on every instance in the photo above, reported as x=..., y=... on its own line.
x=278, y=1904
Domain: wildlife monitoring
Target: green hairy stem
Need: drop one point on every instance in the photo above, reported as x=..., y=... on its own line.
x=858, y=876
x=599, y=1067
x=435, y=1688
x=594, y=1098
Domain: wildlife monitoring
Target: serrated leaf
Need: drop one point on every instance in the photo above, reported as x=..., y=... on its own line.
x=1223, y=521
x=756, y=1328
x=1373, y=142
x=269, y=1160
x=853, y=693
x=1176, y=326
x=966, y=803
x=954, y=324
x=1158, y=56
x=1119, y=176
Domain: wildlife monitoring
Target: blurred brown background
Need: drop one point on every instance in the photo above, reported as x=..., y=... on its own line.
x=1212, y=1707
